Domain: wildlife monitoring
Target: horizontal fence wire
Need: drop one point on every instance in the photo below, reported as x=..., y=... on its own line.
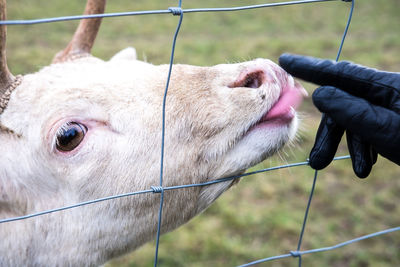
x=156, y=189
x=299, y=253
x=156, y=12
x=179, y=11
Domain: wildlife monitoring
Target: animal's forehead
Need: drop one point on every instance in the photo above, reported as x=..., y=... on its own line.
x=93, y=70
x=58, y=86
x=86, y=78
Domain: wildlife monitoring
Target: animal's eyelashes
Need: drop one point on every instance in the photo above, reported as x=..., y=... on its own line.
x=69, y=136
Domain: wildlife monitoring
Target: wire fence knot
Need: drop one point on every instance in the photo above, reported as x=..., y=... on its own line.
x=295, y=254
x=157, y=189
x=176, y=11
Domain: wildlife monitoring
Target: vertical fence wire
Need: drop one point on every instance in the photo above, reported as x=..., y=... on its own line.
x=178, y=11
x=303, y=227
x=175, y=11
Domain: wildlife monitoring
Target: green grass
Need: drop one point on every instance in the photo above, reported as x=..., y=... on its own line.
x=261, y=216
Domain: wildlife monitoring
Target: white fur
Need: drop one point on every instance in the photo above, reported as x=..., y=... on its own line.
x=120, y=101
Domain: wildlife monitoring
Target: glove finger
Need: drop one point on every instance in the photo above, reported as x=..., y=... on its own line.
x=327, y=140
x=361, y=154
x=376, y=125
x=378, y=87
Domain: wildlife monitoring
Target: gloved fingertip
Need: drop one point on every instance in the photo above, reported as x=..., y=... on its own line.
x=326, y=143
x=318, y=161
x=362, y=154
x=362, y=172
x=285, y=60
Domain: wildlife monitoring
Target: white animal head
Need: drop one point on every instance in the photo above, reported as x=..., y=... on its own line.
x=83, y=128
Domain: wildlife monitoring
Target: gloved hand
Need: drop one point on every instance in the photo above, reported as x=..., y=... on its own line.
x=363, y=102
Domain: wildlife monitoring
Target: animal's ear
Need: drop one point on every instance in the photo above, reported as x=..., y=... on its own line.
x=128, y=53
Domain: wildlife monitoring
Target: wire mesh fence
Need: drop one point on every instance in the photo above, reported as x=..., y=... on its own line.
x=159, y=188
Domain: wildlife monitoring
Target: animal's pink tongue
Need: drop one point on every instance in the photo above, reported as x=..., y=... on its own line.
x=289, y=100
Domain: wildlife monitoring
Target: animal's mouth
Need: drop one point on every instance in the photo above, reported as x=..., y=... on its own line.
x=291, y=92
x=291, y=95
x=284, y=109
x=272, y=101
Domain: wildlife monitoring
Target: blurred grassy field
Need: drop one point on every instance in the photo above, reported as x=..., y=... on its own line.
x=262, y=216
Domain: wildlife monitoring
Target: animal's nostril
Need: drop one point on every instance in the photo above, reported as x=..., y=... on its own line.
x=250, y=80
x=253, y=81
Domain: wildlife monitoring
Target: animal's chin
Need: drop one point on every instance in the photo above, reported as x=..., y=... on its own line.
x=257, y=144
x=272, y=134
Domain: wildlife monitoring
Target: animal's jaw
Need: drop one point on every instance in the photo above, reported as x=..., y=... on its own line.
x=268, y=130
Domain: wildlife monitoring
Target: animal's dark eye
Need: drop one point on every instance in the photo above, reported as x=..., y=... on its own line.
x=70, y=136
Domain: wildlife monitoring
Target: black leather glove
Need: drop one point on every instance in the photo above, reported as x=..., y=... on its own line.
x=363, y=102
